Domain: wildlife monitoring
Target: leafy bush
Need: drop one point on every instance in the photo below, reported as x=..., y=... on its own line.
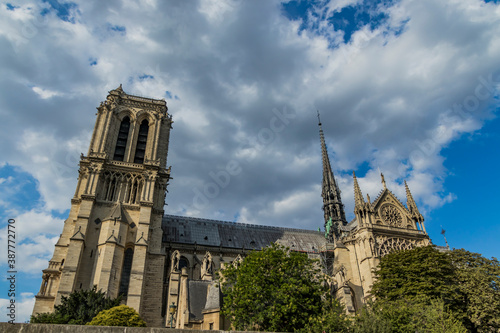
x=121, y=315
x=402, y=316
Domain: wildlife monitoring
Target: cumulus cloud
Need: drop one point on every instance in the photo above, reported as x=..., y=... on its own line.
x=45, y=93
x=24, y=307
x=36, y=233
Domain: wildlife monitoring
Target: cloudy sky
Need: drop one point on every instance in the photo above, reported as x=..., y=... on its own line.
x=407, y=88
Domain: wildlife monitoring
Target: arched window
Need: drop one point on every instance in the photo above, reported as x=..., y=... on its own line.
x=183, y=262
x=142, y=139
x=127, y=267
x=121, y=142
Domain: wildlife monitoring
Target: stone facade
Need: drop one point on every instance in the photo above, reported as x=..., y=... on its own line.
x=113, y=233
x=117, y=237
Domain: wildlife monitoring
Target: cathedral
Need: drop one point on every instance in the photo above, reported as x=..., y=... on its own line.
x=118, y=238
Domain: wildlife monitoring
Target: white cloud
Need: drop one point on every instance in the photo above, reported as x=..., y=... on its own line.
x=24, y=307
x=45, y=93
x=36, y=233
x=53, y=163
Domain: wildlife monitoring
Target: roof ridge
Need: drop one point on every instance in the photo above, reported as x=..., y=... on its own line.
x=379, y=197
x=244, y=224
x=139, y=98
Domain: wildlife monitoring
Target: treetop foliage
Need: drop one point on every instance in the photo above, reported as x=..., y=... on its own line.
x=421, y=272
x=467, y=284
x=274, y=289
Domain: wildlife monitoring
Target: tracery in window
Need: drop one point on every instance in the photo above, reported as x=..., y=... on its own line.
x=123, y=187
x=395, y=244
x=392, y=216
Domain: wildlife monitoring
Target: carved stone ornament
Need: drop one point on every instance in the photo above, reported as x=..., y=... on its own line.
x=392, y=216
x=237, y=261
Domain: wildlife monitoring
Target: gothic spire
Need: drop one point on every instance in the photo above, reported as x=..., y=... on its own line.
x=332, y=203
x=329, y=183
x=328, y=179
x=410, y=203
x=359, y=202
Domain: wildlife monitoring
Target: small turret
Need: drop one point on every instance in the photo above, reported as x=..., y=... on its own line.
x=412, y=208
x=359, y=202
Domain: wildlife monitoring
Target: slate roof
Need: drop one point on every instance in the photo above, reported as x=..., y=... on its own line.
x=213, y=297
x=188, y=230
x=197, y=297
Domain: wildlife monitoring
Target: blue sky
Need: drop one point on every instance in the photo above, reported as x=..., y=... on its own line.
x=408, y=88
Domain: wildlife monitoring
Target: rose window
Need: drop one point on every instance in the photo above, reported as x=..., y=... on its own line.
x=392, y=216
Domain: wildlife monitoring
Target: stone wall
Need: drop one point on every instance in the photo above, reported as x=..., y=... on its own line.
x=153, y=291
x=46, y=328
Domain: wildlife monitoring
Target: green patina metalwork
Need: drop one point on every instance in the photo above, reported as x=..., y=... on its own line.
x=328, y=226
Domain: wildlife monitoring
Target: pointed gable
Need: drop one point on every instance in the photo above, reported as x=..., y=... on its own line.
x=390, y=211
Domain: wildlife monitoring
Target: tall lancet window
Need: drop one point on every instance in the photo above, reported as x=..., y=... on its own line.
x=127, y=268
x=121, y=142
x=142, y=139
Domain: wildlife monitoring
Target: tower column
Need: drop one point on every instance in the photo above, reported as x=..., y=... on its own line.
x=105, y=132
x=135, y=290
x=70, y=270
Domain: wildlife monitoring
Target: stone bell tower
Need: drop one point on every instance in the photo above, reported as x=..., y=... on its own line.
x=112, y=237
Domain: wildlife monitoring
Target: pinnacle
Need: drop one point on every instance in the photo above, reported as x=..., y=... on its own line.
x=358, y=196
x=410, y=203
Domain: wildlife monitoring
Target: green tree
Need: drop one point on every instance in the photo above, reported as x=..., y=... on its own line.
x=332, y=319
x=423, y=272
x=78, y=308
x=478, y=280
x=274, y=289
x=373, y=319
x=434, y=317
x=121, y=315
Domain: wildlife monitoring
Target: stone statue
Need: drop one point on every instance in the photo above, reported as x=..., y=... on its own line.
x=176, y=257
x=206, y=267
